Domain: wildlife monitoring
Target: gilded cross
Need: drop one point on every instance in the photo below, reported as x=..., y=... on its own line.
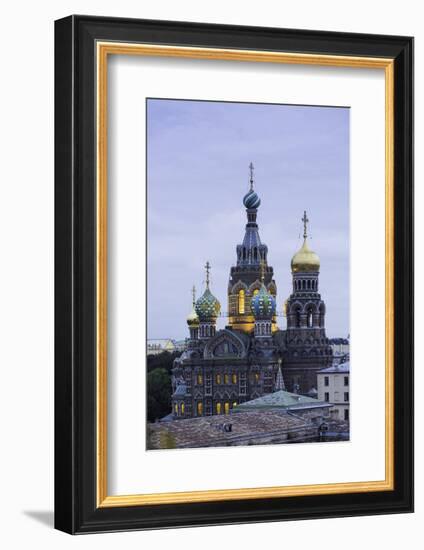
x=305, y=222
x=193, y=292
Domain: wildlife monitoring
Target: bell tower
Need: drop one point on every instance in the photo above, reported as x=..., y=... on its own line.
x=245, y=277
x=307, y=344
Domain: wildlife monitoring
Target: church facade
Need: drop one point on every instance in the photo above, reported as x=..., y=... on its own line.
x=252, y=356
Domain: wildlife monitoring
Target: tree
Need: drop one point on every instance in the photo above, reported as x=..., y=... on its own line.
x=162, y=360
x=159, y=394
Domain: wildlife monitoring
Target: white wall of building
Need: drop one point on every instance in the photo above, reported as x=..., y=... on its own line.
x=334, y=388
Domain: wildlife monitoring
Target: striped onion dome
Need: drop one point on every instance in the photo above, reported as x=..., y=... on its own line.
x=251, y=200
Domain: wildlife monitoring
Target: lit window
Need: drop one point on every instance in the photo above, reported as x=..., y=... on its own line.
x=199, y=379
x=227, y=407
x=256, y=377
x=199, y=408
x=218, y=408
x=218, y=378
x=234, y=404
x=255, y=291
x=176, y=408
x=234, y=378
x=241, y=301
x=226, y=378
x=182, y=408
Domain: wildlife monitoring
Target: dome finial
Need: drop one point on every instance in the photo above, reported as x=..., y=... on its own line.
x=305, y=226
x=193, y=293
x=207, y=267
x=251, y=168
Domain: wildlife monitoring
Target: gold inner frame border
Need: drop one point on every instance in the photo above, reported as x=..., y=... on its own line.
x=103, y=50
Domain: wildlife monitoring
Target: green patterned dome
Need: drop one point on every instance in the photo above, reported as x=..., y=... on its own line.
x=263, y=304
x=207, y=306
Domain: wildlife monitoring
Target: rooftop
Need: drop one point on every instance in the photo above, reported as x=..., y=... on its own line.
x=281, y=400
x=343, y=368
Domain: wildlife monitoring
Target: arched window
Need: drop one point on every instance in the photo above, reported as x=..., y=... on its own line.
x=241, y=299
x=199, y=379
x=227, y=407
x=310, y=320
x=226, y=378
x=218, y=378
x=218, y=408
x=176, y=408
x=234, y=378
x=199, y=408
x=182, y=408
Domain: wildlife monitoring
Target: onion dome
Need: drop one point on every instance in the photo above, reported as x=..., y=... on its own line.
x=207, y=306
x=193, y=319
x=263, y=304
x=251, y=200
x=305, y=260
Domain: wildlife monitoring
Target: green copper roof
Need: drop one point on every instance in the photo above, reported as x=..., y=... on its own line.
x=280, y=400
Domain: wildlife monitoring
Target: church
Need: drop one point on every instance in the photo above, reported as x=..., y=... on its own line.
x=252, y=356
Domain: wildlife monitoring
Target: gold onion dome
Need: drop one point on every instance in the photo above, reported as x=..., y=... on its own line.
x=192, y=318
x=207, y=306
x=305, y=260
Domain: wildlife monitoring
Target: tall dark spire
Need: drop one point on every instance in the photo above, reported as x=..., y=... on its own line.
x=251, y=251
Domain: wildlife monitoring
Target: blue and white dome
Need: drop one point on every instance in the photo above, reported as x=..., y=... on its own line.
x=263, y=304
x=251, y=200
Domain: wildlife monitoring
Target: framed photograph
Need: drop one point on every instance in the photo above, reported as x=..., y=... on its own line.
x=234, y=274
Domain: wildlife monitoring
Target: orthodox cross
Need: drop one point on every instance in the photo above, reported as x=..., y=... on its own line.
x=207, y=267
x=305, y=222
x=193, y=293
x=251, y=168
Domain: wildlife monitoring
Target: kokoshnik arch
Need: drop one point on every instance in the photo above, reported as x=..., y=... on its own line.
x=252, y=356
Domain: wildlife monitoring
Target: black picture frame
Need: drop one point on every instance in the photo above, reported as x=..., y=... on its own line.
x=76, y=510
